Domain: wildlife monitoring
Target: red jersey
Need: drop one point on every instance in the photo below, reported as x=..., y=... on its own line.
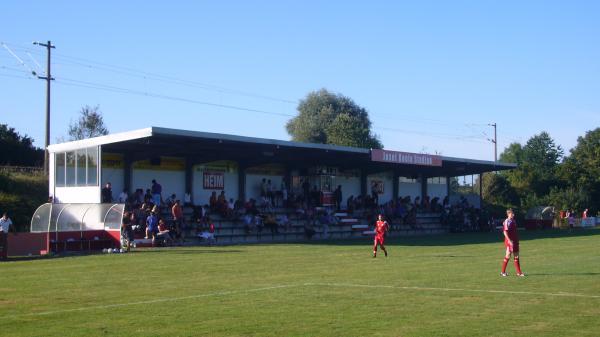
x=381, y=227
x=177, y=212
x=510, y=227
x=162, y=227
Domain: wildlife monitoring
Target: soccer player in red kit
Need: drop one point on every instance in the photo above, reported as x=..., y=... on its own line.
x=381, y=227
x=511, y=242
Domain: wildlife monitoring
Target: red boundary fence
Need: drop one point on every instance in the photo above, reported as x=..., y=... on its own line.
x=32, y=244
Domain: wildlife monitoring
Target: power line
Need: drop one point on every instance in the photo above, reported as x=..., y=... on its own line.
x=16, y=70
x=428, y=121
x=97, y=86
x=128, y=71
x=90, y=85
x=166, y=79
x=173, y=80
x=16, y=76
x=473, y=139
x=35, y=62
x=127, y=91
x=182, y=82
x=18, y=59
x=91, y=64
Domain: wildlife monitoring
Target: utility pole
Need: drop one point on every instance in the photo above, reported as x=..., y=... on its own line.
x=48, y=79
x=495, y=141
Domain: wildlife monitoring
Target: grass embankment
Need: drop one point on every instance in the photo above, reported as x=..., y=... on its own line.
x=21, y=194
x=429, y=286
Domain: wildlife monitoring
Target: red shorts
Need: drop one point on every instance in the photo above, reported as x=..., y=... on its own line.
x=379, y=240
x=514, y=248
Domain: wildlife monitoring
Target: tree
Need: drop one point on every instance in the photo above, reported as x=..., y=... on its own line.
x=542, y=179
x=537, y=162
x=498, y=190
x=17, y=149
x=329, y=118
x=581, y=170
x=90, y=124
x=512, y=154
x=542, y=152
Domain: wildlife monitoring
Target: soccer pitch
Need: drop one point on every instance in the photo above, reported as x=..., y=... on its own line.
x=429, y=286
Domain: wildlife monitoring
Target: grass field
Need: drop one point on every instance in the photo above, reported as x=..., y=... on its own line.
x=429, y=286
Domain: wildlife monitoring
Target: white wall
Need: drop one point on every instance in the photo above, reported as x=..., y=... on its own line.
x=437, y=190
x=51, y=170
x=78, y=195
x=253, y=182
x=116, y=177
x=472, y=199
x=411, y=189
x=201, y=196
x=388, y=188
x=171, y=181
x=350, y=186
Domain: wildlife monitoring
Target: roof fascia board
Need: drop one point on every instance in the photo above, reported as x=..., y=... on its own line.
x=481, y=162
x=102, y=140
x=219, y=136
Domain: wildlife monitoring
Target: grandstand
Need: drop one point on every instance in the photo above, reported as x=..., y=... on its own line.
x=293, y=178
x=232, y=231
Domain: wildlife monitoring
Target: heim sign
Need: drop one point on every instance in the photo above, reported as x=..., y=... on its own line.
x=214, y=181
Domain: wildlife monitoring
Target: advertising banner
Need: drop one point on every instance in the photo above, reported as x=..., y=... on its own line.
x=405, y=158
x=214, y=181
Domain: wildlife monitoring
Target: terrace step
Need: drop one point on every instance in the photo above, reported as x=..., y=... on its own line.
x=360, y=227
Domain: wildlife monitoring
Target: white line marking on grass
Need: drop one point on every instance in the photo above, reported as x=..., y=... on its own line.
x=158, y=300
x=309, y=284
x=350, y=285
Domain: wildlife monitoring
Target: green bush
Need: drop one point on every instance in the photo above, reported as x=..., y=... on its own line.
x=20, y=195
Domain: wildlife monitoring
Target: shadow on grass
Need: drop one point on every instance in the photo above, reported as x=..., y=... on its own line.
x=448, y=256
x=42, y=257
x=562, y=274
x=450, y=239
x=163, y=250
x=186, y=251
x=456, y=239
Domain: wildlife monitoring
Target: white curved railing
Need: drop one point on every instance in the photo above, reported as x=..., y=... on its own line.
x=76, y=217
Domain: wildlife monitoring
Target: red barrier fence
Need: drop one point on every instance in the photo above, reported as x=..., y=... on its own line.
x=32, y=244
x=24, y=244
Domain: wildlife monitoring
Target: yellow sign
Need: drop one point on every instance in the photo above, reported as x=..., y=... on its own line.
x=164, y=164
x=218, y=166
x=112, y=160
x=267, y=169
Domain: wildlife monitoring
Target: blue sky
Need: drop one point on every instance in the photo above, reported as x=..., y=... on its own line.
x=432, y=74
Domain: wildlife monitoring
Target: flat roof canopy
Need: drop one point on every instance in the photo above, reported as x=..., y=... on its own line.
x=201, y=147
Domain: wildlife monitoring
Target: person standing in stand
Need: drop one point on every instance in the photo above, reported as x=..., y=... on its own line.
x=571, y=219
x=107, y=193
x=337, y=194
x=156, y=190
x=5, y=224
x=511, y=242
x=177, y=213
x=152, y=226
x=381, y=227
x=127, y=230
